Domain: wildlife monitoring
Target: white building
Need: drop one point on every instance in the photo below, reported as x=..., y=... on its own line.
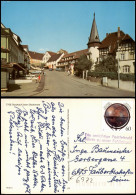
x=26, y=56
x=20, y=48
x=53, y=61
x=126, y=54
x=117, y=44
x=47, y=56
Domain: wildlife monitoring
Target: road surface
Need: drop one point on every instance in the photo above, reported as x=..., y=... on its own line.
x=60, y=84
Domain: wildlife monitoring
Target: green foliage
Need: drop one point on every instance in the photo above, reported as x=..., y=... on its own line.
x=127, y=77
x=42, y=65
x=107, y=65
x=113, y=75
x=82, y=64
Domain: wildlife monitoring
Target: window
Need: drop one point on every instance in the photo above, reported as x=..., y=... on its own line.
x=122, y=56
x=131, y=53
x=104, y=56
x=126, y=69
x=131, y=56
x=100, y=59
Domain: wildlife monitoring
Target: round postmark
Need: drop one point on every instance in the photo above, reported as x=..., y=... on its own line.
x=117, y=116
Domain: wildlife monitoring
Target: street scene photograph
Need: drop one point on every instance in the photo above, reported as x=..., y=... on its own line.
x=68, y=48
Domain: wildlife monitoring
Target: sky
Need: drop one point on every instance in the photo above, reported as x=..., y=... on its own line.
x=54, y=25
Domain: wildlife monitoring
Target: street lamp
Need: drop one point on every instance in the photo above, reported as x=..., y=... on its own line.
x=118, y=64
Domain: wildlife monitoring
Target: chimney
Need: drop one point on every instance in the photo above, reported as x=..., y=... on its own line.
x=118, y=32
x=107, y=34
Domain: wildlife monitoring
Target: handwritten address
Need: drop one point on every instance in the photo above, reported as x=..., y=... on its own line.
x=101, y=160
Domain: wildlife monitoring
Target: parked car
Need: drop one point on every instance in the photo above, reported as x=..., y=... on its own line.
x=60, y=69
x=57, y=69
x=50, y=69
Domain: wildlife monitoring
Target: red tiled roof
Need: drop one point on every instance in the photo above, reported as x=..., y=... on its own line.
x=25, y=46
x=35, y=55
x=51, y=53
x=62, y=51
x=54, y=58
x=127, y=38
x=111, y=41
x=75, y=55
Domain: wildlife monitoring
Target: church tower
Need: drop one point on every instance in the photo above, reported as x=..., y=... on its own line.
x=93, y=44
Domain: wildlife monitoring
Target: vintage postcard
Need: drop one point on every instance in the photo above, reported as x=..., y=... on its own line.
x=68, y=48
x=68, y=146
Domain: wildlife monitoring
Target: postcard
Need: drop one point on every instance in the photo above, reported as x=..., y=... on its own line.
x=68, y=146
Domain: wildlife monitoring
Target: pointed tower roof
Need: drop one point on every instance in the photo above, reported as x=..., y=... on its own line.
x=94, y=36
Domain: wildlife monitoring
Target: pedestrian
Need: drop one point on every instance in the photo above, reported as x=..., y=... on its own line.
x=39, y=78
x=68, y=72
x=36, y=79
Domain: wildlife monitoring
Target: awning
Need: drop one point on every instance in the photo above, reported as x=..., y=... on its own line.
x=18, y=66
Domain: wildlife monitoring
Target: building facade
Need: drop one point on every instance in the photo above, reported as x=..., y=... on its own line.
x=12, y=52
x=117, y=44
x=8, y=43
x=36, y=58
x=68, y=60
x=26, y=56
x=47, y=56
x=126, y=55
x=122, y=47
x=53, y=61
x=12, y=56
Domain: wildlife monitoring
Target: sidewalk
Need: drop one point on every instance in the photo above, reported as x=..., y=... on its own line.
x=84, y=81
x=90, y=83
x=25, y=89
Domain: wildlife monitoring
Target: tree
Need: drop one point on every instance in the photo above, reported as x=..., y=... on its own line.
x=108, y=64
x=82, y=64
x=42, y=65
